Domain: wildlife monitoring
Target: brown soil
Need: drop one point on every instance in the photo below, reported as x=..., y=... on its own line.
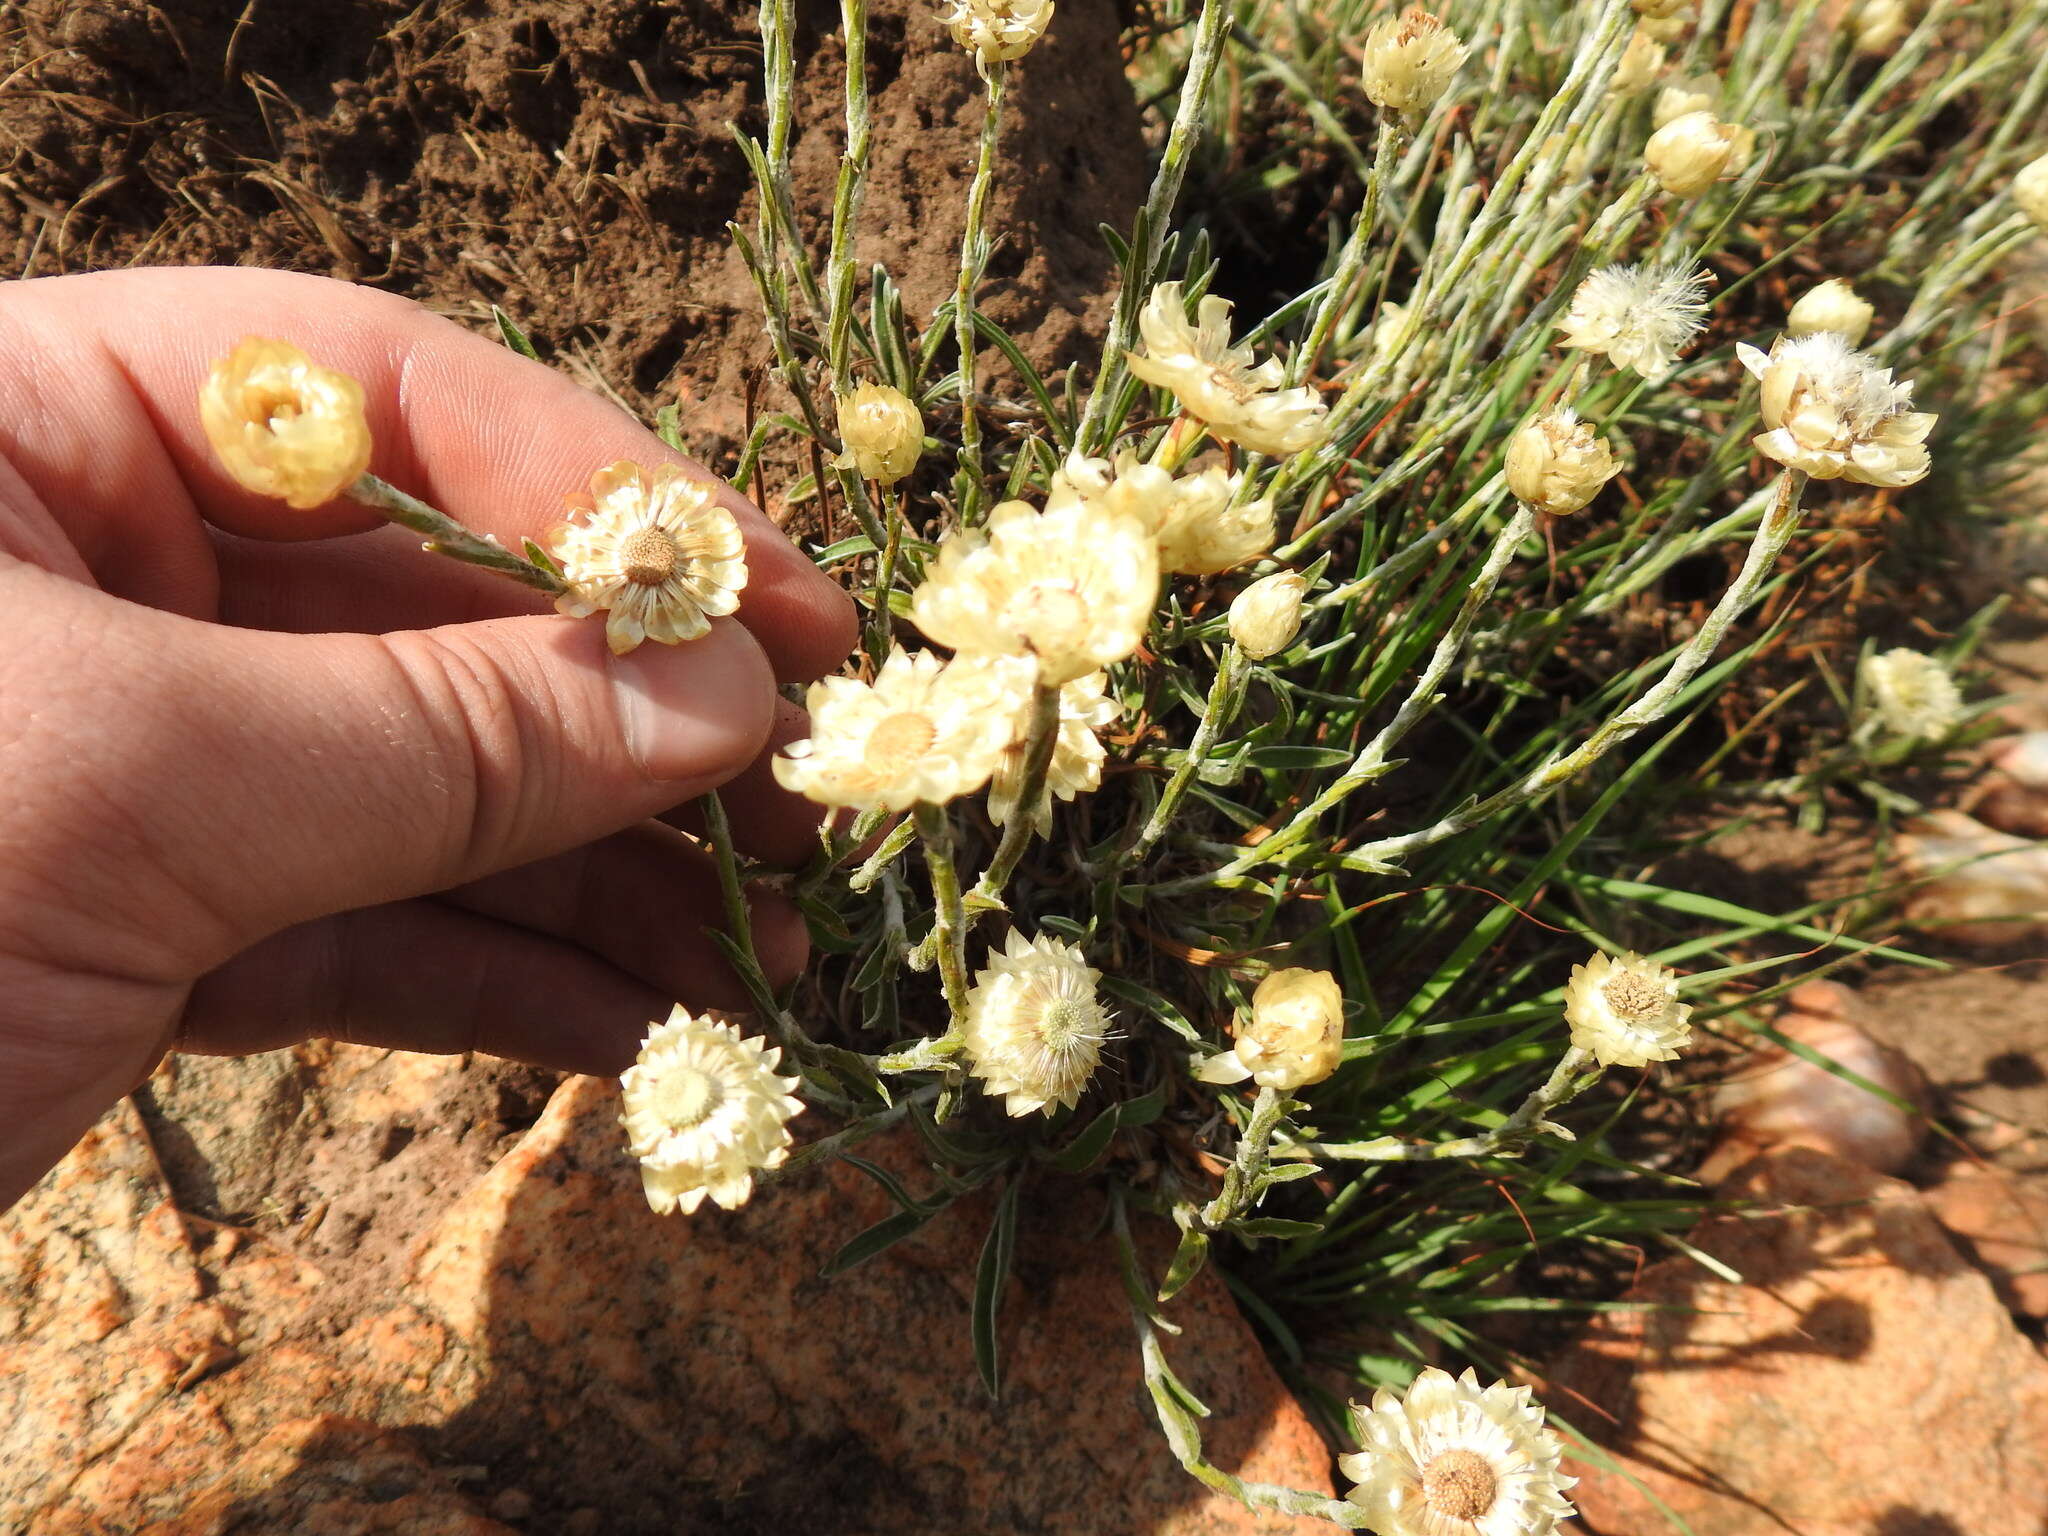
x=572, y=161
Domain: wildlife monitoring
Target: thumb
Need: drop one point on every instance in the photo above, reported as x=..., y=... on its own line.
x=200, y=786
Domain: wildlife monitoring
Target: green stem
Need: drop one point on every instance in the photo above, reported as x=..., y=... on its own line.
x=1226, y=697
x=949, y=930
x=1575, y=1072
x=881, y=623
x=1212, y=31
x=1241, y=1179
x=853, y=166
x=973, y=259
x=1352, y=260
x=445, y=536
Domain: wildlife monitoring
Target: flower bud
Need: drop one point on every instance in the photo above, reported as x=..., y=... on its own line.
x=2030, y=192
x=1266, y=616
x=1660, y=10
x=1294, y=1037
x=1876, y=26
x=284, y=426
x=1700, y=93
x=1690, y=153
x=1409, y=61
x=1832, y=306
x=1641, y=63
x=882, y=431
x=1556, y=464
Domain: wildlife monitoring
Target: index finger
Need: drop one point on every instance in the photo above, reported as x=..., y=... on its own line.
x=491, y=438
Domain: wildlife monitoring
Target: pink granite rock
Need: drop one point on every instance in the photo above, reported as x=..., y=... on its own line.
x=2000, y=1221
x=1860, y=1380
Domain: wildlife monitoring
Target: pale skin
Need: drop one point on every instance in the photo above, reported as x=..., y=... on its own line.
x=269, y=774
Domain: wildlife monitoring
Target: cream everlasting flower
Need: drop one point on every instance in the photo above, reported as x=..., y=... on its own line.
x=284, y=426
x=882, y=432
x=924, y=732
x=1069, y=586
x=993, y=30
x=1640, y=317
x=1557, y=464
x=1877, y=25
x=1454, y=1459
x=1690, y=153
x=1641, y=63
x=1077, y=755
x=1832, y=306
x=1833, y=413
x=1626, y=1011
x=1700, y=93
x=1409, y=61
x=1295, y=1035
x=704, y=1109
x=654, y=550
x=1034, y=1029
x=1196, y=520
x=1238, y=401
x=1912, y=694
x=2030, y=192
x=1266, y=616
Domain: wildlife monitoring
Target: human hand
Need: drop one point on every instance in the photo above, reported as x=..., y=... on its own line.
x=257, y=787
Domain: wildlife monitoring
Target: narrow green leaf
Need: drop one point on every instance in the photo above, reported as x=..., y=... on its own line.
x=1188, y=1260
x=863, y=1246
x=512, y=336
x=989, y=1277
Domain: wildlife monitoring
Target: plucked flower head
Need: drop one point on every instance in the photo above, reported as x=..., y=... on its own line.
x=1626, y=1011
x=703, y=1110
x=1557, y=463
x=284, y=426
x=654, y=551
x=1914, y=695
x=1200, y=527
x=1034, y=1027
x=1833, y=413
x=1077, y=755
x=1239, y=401
x=1409, y=61
x=1266, y=616
x=1693, y=151
x=923, y=732
x=994, y=30
x=1067, y=585
x=1638, y=317
x=1456, y=1459
x=2030, y=192
x=882, y=431
x=1832, y=306
x=1295, y=1035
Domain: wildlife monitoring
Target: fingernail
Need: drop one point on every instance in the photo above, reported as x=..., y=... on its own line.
x=695, y=712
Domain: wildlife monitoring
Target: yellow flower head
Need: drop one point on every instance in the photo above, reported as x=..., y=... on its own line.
x=1832, y=306
x=1557, y=463
x=1626, y=1011
x=994, y=30
x=654, y=551
x=1409, y=61
x=284, y=426
x=1034, y=1028
x=1068, y=585
x=1833, y=413
x=1239, y=401
x=1266, y=616
x=924, y=732
x=703, y=1110
x=1295, y=1035
x=1077, y=756
x=1913, y=695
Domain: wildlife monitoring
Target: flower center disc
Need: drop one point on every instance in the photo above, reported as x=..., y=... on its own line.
x=649, y=557
x=1459, y=1485
x=1634, y=998
x=897, y=742
x=1062, y=1023
x=688, y=1097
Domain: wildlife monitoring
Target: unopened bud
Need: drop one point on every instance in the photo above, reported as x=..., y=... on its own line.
x=2030, y=192
x=1409, y=61
x=1877, y=25
x=1701, y=93
x=1557, y=464
x=1266, y=616
x=882, y=431
x=1832, y=306
x=1641, y=63
x=1690, y=153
